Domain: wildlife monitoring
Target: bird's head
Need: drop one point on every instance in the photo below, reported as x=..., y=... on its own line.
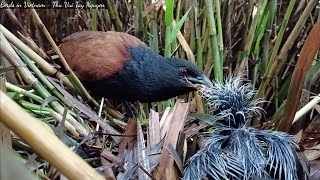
x=174, y=72
x=183, y=74
x=189, y=74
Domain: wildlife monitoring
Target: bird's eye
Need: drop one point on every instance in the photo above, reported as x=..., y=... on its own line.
x=183, y=72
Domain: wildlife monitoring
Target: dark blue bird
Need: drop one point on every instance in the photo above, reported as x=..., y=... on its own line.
x=118, y=65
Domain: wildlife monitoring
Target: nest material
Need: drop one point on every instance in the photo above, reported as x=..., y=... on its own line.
x=240, y=152
x=245, y=153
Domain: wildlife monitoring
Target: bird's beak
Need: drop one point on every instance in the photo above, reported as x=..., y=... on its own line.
x=203, y=80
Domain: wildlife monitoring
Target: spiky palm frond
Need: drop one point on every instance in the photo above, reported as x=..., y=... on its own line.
x=255, y=153
x=280, y=153
x=232, y=101
x=245, y=153
x=212, y=163
x=249, y=152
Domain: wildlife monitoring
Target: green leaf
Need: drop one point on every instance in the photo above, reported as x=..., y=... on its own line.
x=176, y=29
x=63, y=137
x=16, y=96
x=314, y=69
x=47, y=100
x=169, y=12
x=207, y=118
x=75, y=85
x=282, y=94
x=11, y=94
x=260, y=32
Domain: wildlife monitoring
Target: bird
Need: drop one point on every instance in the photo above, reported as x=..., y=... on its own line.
x=118, y=65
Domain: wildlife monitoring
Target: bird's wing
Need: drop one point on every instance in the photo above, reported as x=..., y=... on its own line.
x=95, y=55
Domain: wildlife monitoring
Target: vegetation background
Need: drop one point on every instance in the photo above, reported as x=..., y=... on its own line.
x=261, y=40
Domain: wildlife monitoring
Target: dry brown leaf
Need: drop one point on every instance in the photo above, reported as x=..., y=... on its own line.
x=313, y=154
x=176, y=126
x=154, y=128
x=112, y=158
x=108, y=173
x=142, y=155
x=306, y=57
x=164, y=116
x=131, y=130
x=194, y=129
x=166, y=122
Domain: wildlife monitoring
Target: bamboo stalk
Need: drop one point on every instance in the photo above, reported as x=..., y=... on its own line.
x=62, y=59
x=168, y=48
x=138, y=20
x=94, y=20
x=281, y=32
x=24, y=35
x=272, y=6
x=66, y=124
x=8, y=52
x=44, y=142
x=218, y=69
x=276, y=66
x=26, y=93
x=28, y=77
x=30, y=106
x=50, y=70
x=5, y=136
x=34, y=56
x=189, y=26
x=219, y=28
x=307, y=54
x=281, y=59
x=154, y=39
x=198, y=36
x=41, y=76
x=249, y=39
x=78, y=85
x=114, y=15
x=269, y=72
x=48, y=111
